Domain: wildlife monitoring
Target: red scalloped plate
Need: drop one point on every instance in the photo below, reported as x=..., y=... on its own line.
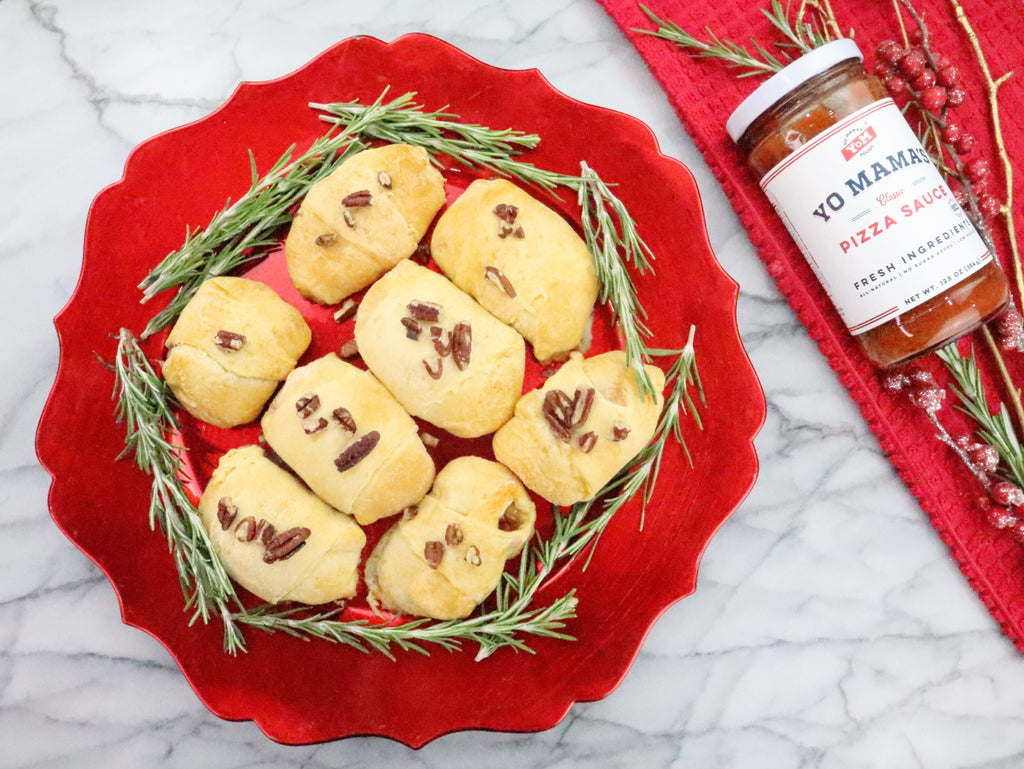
x=305, y=692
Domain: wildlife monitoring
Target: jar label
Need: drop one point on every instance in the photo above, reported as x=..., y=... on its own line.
x=874, y=217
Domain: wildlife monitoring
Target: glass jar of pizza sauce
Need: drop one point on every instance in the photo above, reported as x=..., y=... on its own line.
x=898, y=257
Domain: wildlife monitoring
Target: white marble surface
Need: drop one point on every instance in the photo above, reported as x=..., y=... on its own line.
x=829, y=628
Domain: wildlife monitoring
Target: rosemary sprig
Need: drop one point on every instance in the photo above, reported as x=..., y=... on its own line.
x=994, y=429
x=402, y=121
x=142, y=405
x=611, y=236
x=801, y=32
x=760, y=62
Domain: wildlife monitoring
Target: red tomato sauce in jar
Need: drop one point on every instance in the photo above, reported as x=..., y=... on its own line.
x=900, y=260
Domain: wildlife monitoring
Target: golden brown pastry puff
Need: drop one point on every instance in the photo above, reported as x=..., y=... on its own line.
x=345, y=435
x=446, y=555
x=571, y=436
x=360, y=221
x=274, y=536
x=522, y=262
x=444, y=357
x=232, y=344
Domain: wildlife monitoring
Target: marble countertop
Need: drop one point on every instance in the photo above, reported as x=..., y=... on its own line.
x=829, y=628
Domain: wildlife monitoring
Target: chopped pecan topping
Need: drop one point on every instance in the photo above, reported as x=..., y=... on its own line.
x=349, y=219
x=412, y=328
x=307, y=405
x=557, y=411
x=442, y=340
x=462, y=345
x=435, y=370
x=510, y=519
x=507, y=229
x=433, y=552
x=384, y=180
x=587, y=441
x=229, y=340
x=360, y=199
x=506, y=212
x=430, y=441
x=582, y=402
x=226, y=512
x=453, y=535
x=326, y=240
x=421, y=255
x=284, y=545
x=349, y=349
x=344, y=418
x=356, y=451
x=473, y=555
x=497, y=277
x=268, y=533
x=428, y=312
x=346, y=311
x=245, y=531
x=313, y=425
x=620, y=433
x=410, y=512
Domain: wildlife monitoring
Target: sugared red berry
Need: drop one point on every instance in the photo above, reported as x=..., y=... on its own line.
x=1010, y=330
x=916, y=36
x=933, y=98
x=896, y=85
x=984, y=457
x=952, y=133
x=978, y=170
x=964, y=144
x=889, y=51
x=956, y=96
x=1007, y=494
x=925, y=80
x=1000, y=517
x=988, y=205
x=912, y=65
x=881, y=70
x=948, y=75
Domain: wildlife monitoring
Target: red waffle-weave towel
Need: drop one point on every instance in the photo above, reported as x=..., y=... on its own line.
x=704, y=92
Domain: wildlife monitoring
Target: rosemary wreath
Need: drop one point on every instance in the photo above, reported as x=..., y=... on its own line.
x=245, y=231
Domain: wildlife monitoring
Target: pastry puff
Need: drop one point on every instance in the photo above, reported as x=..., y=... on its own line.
x=343, y=433
x=443, y=356
x=446, y=555
x=522, y=261
x=233, y=343
x=274, y=536
x=571, y=436
x=361, y=220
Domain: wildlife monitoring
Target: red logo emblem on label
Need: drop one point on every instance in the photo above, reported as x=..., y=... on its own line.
x=859, y=142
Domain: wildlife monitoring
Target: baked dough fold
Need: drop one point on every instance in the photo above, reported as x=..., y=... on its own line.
x=344, y=434
x=571, y=436
x=448, y=556
x=520, y=260
x=444, y=357
x=361, y=220
x=274, y=536
x=232, y=344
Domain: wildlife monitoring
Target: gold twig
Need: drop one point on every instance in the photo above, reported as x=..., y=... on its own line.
x=992, y=88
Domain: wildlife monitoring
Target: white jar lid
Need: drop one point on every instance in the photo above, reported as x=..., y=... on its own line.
x=812, y=63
